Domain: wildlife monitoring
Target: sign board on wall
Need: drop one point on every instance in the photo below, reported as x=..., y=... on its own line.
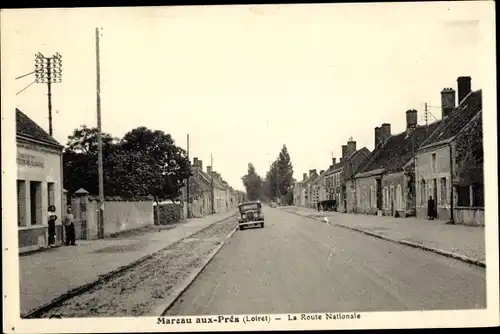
x=30, y=160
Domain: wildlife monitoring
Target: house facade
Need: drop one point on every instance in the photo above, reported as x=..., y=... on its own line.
x=39, y=183
x=299, y=192
x=437, y=171
x=382, y=185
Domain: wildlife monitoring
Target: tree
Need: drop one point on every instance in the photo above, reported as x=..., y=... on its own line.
x=143, y=163
x=163, y=168
x=279, y=179
x=252, y=183
x=469, y=154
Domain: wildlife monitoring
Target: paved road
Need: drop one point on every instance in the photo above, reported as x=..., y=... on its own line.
x=297, y=264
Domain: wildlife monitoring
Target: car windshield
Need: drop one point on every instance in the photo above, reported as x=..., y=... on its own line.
x=250, y=206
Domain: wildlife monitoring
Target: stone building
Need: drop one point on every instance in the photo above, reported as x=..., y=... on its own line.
x=436, y=165
x=39, y=183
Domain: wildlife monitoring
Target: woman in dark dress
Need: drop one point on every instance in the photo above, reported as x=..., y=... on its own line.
x=52, y=225
x=431, y=208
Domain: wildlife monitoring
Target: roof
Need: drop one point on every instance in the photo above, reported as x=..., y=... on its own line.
x=341, y=164
x=27, y=128
x=310, y=179
x=207, y=179
x=457, y=119
x=396, y=151
x=249, y=202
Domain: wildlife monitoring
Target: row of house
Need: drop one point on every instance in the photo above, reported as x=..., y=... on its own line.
x=205, y=185
x=404, y=169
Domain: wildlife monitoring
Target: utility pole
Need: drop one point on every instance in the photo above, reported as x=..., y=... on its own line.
x=99, y=136
x=212, y=183
x=188, y=179
x=48, y=70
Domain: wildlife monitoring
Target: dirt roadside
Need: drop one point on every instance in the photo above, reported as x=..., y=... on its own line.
x=139, y=290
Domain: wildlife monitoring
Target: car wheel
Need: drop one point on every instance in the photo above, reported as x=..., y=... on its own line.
x=241, y=228
x=262, y=225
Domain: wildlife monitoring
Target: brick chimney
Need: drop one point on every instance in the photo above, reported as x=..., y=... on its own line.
x=304, y=176
x=344, y=151
x=334, y=161
x=209, y=170
x=200, y=164
x=447, y=101
x=312, y=171
x=195, y=162
x=321, y=172
x=411, y=118
x=351, y=147
x=385, y=132
x=378, y=136
x=464, y=87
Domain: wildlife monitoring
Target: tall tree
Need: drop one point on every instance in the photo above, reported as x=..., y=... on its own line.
x=253, y=183
x=144, y=162
x=279, y=179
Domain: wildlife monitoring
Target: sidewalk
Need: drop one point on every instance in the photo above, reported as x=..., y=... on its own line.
x=460, y=241
x=45, y=276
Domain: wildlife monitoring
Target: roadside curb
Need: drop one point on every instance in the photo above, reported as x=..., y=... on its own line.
x=175, y=295
x=105, y=277
x=446, y=253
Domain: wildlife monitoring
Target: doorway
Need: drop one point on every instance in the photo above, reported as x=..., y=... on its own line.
x=434, y=196
x=35, y=203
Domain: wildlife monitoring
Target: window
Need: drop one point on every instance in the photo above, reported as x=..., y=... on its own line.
x=434, y=163
x=463, y=195
x=36, y=202
x=399, y=198
x=423, y=193
x=50, y=194
x=478, y=195
x=444, y=192
x=21, y=203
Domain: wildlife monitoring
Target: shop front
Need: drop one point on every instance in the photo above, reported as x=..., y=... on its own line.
x=39, y=184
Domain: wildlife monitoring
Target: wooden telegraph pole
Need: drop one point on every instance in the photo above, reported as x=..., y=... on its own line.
x=99, y=136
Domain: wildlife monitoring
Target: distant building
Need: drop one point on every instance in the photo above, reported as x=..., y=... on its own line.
x=39, y=183
x=436, y=160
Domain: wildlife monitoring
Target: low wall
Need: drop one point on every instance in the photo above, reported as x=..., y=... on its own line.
x=469, y=216
x=121, y=216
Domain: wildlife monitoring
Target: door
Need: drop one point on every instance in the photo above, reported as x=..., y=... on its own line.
x=434, y=196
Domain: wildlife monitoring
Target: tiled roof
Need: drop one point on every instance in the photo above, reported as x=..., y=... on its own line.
x=26, y=127
x=457, y=119
x=398, y=150
x=310, y=179
x=207, y=180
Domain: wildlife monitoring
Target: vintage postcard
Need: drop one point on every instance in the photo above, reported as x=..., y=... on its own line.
x=249, y=167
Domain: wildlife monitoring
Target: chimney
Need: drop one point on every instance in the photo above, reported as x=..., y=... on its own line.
x=304, y=176
x=334, y=161
x=200, y=164
x=385, y=132
x=464, y=87
x=447, y=101
x=351, y=147
x=378, y=136
x=209, y=170
x=321, y=172
x=411, y=118
x=311, y=171
x=195, y=162
x=344, y=151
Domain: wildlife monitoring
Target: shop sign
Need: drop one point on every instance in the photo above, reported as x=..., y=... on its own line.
x=30, y=160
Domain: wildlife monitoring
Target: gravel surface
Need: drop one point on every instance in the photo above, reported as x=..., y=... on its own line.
x=140, y=289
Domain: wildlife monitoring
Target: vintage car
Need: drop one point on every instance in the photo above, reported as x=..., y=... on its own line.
x=250, y=214
x=273, y=204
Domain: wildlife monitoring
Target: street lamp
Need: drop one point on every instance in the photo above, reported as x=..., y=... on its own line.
x=48, y=70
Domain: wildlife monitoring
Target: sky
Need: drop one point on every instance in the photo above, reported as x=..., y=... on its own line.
x=245, y=80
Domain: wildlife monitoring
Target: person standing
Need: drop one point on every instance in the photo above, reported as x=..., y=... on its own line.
x=69, y=226
x=431, y=208
x=52, y=226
